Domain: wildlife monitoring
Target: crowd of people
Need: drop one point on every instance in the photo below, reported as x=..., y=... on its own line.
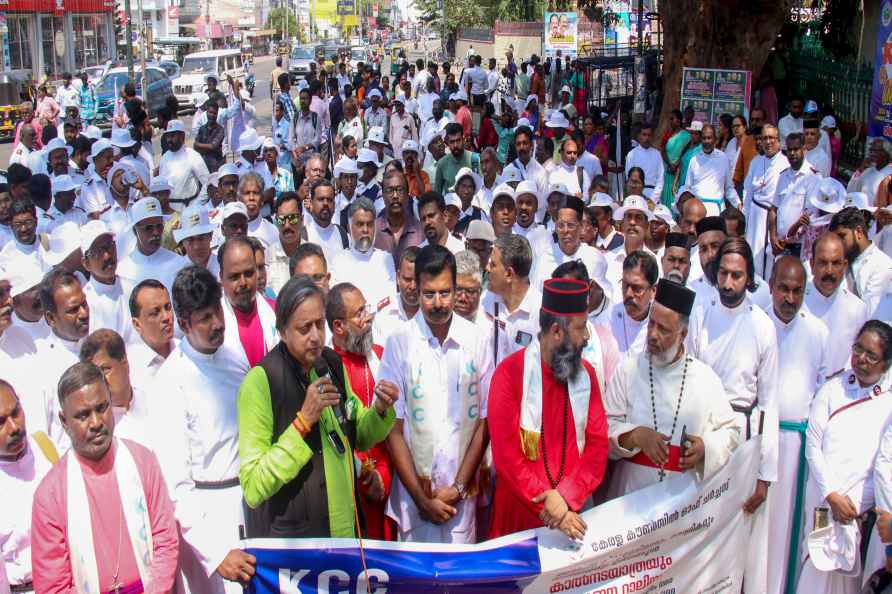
x=396, y=316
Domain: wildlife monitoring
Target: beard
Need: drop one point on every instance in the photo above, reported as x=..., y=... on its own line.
x=666, y=357
x=731, y=298
x=360, y=344
x=364, y=244
x=566, y=361
x=676, y=275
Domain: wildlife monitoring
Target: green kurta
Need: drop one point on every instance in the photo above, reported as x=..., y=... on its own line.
x=267, y=466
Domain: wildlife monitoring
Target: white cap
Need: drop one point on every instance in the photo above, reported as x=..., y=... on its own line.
x=662, y=212
x=269, y=143
x=346, y=165
x=828, y=122
x=601, y=199
x=92, y=231
x=527, y=186
x=99, y=147
x=145, y=208
x=410, y=145
x=194, y=221
x=175, y=126
x=566, y=89
x=523, y=122
x=23, y=275
x=859, y=200
x=829, y=195
x=467, y=172
x=367, y=156
x=480, y=229
x=696, y=126
x=214, y=179
x=452, y=199
x=122, y=138
x=249, y=141
x=376, y=134
x=63, y=240
x=429, y=136
x=834, y=547
x=503, y=189
x=58, y=143
x=375, y=93
x=557, y=120
x=632, y=202
x=63, y=183
x=511, y=174
x=228, y=169
x=93, y=132
x=234, y=208
x=160, y=184
x=558, y=187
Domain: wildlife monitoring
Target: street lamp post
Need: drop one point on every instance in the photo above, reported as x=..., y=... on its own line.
x=128, y=31
x=142, y=52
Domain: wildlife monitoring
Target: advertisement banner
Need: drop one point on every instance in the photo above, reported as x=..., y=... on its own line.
x=560, y=33
x=712, y=92
x=676, y=537
x=880, y=121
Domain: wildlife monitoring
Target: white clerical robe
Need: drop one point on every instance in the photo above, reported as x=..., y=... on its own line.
x=630, y=334
x=163, y=266
x=109, y=308
x=759, y=189
x=15, y=344
x=802, y=355
x=843, y=313
x=408, y=351
x=195, y=419
x=710, y=179
x=35, y=330
x=845, y=426
x=373, y=272
x=793, y=187
x=18, y=481
x=703, y=412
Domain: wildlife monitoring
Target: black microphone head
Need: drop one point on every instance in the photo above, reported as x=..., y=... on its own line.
x=321, y=367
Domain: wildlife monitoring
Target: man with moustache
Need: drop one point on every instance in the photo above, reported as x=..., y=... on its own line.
x=149, y=259
x=802, y=346
x=26, y=313
x=629, y=317
x=402, y=305
x=692, y=210
x=396, y=227
x=349, y=317
x=686, y=396
x=25, y=247
x=194, y=236
x=535, y=485
x=503, y=212
x=527, y=199
x=96, y=197
x=367, y=267
x=347, y=174
x=676, y=258
x=250, y=322
x=432, y=212
x=105, y=292
x=195, y=408
x=443, y=363
x=182, y=166
x=635, y=217
x=788, y=203
x=530, y=169
x=152, y=317
x=104, y=487
x=25, y=458
x=321, y=230
x=567, y=244
x=828, y=298
x=735, y=337
x=759, y=189
x=709, y=175
x=870, y=269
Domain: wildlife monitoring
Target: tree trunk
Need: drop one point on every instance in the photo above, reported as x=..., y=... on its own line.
x=732, y=34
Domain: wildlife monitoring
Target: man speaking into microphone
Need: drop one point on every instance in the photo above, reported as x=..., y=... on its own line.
x=299, y=422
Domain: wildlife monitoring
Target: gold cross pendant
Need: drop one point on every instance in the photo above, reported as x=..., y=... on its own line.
x=116, y=588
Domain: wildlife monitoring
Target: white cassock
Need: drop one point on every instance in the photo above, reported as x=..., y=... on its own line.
x=145, y=362
x=461, y=362
x=739, y=344
x=232, y=341
x=328, y=238
x=52, y=358
x=373, y=272
x=802, y=355
x=162, y=266
x=196, y=424
x=869, y=276
x=110, y=308
x=35, y=330
x=553, y=256
x=15, y=344
x=703, y=412
x=630, y=334
x=759, y=189
x=820, y=161
x=18, y=482
x=843, y=313
x=882, y=490
x=845, y=427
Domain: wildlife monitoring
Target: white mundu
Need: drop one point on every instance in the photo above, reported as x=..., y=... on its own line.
x=710, y=179
x=802, y=355
x=700, y=410
x=759, y=189
x=844, y=429
x=843, y=313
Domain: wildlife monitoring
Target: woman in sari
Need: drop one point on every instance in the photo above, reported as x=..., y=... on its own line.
x=595, y=140
x=577, y=83
x=673, y=150
x=692, y=149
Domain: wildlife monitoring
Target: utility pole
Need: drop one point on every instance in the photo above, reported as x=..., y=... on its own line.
x=142, y=52
x=128, y=32
x=313, y=20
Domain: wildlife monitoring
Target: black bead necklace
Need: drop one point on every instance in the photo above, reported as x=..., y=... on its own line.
x=653, y=403
x=551, y=481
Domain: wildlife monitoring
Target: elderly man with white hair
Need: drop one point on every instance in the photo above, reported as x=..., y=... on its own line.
x=370, y=269
x=879, y=154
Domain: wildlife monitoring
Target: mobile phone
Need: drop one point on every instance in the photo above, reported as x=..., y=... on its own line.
x=684, y=440
x=336, y=442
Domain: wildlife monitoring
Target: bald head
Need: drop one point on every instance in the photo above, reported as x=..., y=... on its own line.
x=691, y=213
x=787, y=287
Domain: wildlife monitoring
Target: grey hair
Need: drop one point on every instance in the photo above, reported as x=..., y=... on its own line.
x=293, y=294
x=360, y=203
x=76, y=377
x=491, y=151
x=468, y=264
x=253, y=176
x=516, y=253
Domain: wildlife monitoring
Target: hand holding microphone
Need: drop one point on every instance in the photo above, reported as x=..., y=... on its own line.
x=320, y=394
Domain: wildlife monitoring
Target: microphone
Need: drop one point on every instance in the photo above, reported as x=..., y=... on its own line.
x=322, y=370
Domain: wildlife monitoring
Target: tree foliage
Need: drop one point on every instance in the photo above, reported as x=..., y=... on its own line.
x=840, y=24
x=277, y=19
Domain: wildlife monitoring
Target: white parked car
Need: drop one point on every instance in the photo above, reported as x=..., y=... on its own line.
x=191, y=83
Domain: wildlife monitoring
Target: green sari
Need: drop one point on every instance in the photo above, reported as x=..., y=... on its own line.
x=674, y=151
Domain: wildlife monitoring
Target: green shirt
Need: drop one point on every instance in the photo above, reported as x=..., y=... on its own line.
x=267, y=466
x=448, y=166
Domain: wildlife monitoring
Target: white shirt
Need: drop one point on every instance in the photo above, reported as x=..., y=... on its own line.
x=630, y=334
x=133, y=422
x=819, y=160
x=569, y=176
x=18, y=482
x=711, y=180
x=477, y=78
x=453, y=243
x=95, y=195
x=15, y=254
x=16, y=342
x=516, y=328
x=740, y=345
x=759, y=189
x=869, y=181
x=590, y=163
x=57, y=217
x=535, y=172
x=872, y=273
x=145, y=362
x=419, y=83
x=793, y=187
x=163, y=266
x=68, y=97
x=264, y=231
x=553, y=256
x=52, y=358
x=651, y=162
x=704, y=412
x=844, y=314
x=390, y=317
x=328, y=238
x=373, y=272
x=20, y=154
x=787, y=125
x=186, y=171
x=109, y=308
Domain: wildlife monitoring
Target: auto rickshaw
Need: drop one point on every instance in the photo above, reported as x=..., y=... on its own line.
x=248, y=53
x=394, y=52
x=15, y=102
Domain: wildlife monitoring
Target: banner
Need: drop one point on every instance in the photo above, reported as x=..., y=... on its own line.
x=880, y=122
x=560, y=33
x=677, y=537
x=711, y=92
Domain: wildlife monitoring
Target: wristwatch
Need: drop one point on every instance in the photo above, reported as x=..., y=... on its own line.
x=462, y=491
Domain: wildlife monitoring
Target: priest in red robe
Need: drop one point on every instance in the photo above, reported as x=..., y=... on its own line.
x=350, y=319
x=547, y=423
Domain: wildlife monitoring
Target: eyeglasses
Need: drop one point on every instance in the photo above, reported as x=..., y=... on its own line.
x=565, y=226
x=288, y=219
x=26, y=224
x=467, y=291
x=392, y=190
x=870, y=357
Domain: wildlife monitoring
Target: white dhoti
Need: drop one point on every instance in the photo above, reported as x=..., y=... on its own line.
x=757, y=237
x=783, y=515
